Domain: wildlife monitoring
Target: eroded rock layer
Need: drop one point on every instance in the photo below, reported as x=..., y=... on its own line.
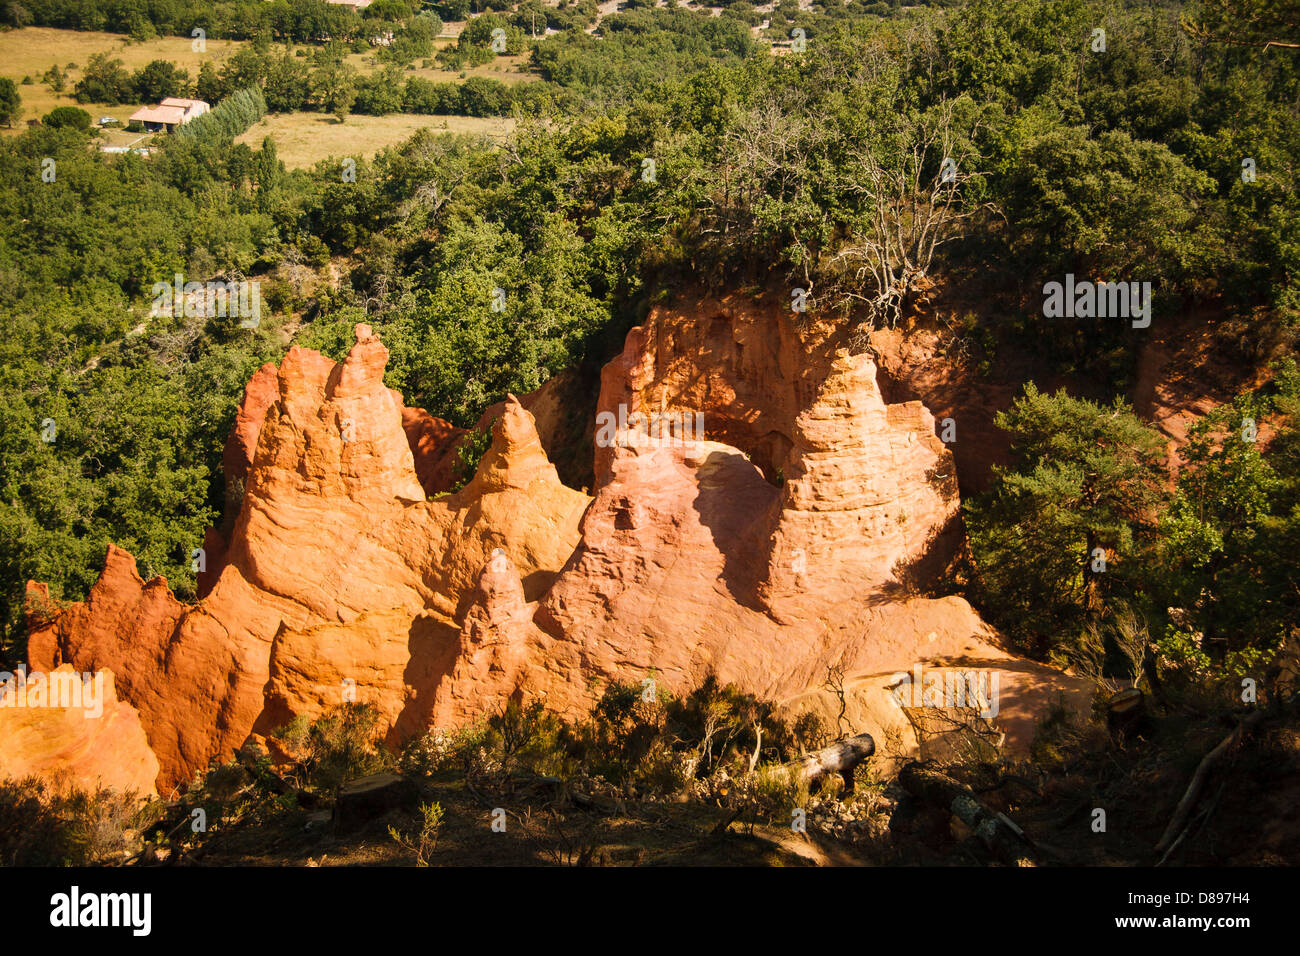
x=775, y=548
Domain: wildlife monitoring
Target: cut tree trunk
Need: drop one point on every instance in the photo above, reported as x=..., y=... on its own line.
x=1125, y=711
x=1000, y=836
x=841, y=757
x=366, y=798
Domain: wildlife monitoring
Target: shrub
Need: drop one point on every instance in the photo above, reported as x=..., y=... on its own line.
x=443, y=750
x=44, y=825
x=473, y=446
x=338, y=746
x=775, y=791
x=425, y=840
x=529, y=737
x=70, y=117
x=721, y=723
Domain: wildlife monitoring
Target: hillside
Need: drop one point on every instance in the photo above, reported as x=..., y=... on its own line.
x=802, y=433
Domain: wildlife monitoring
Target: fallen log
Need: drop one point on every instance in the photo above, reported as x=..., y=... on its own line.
x=841, y=757
x=996, y=831
x=1179, y=820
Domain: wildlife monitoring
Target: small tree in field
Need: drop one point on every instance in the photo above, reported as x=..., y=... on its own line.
x=335, y=87
x=72, y=117
x=10, y=102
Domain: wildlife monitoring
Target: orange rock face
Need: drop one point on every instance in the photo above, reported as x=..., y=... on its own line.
x=691, y=562
x=71, y=729
x=776, y=547
x=433, y=444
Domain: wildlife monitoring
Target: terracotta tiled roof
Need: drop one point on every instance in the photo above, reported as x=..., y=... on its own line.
x=171, y=115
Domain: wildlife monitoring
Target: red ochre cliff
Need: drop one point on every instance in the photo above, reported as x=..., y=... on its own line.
x=780, y=546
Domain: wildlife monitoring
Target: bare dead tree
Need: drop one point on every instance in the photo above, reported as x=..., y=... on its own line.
x=764, y=158
x=715, y=716
x=835, y=684
x=294, y=259
x=1087, y=653
x=968, y=736
x=914, y=179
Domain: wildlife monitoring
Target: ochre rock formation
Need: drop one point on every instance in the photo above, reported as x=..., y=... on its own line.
x=332, y=524
x=783, y=549
x=94, y=740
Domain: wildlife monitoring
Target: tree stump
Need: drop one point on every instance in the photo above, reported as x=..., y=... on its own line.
x=1126, y=712
x=368, y=798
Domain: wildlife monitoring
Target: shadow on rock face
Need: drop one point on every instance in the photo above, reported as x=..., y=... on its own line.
x=738, y=507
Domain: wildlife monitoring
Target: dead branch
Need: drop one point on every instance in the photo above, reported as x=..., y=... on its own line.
x=1179, y=821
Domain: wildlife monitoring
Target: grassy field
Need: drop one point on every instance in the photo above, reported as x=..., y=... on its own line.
x=29, y=52
x=33, y=50
x=306, y=138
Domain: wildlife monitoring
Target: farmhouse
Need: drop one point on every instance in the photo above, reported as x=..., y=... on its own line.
x=169, y=114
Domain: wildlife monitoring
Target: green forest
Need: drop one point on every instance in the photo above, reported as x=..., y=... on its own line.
x=675, y=152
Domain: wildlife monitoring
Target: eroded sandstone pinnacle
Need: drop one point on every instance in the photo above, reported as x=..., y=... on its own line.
x=778, y=545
